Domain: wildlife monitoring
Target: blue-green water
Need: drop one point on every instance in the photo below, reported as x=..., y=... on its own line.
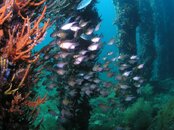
x=141, y=114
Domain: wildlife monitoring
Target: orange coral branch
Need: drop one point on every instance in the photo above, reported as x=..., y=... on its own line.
x=35, y=103
x=23, y=3
x=37, y=4
x=27, y=38
x=17, y=101
x=3, y=13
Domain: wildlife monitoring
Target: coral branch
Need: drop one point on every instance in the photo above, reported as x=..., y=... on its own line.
x=4, y=15
x=37, y=4
x=35, y=103
x=23, y=3
x=19, y=48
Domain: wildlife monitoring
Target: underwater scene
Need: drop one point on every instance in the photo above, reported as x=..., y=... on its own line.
x=86, y=64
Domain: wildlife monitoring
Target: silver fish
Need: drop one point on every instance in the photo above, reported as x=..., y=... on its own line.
x=97, y=68
x=136, y=78
x=85, y=37
x=61, y=64
x=88, y=92
x=93, y=86
x=134, y=57
x=89, y=31
x=79, y=59
x=64, y=54
x=137, y=85
x=127, y=73
x=96, y=81
x=110, y=53
x=124, y=66
x=97, y=27
x=87, y=77
x=83, y=4
x=121, y=57
x=83, y=52
x=95, y=39
x=122, y=86
x=129, y=98
x=59, y=34
x=83, y=23
x=104, y=58
x=67, y=45
x=140, y=66
x=93, y=47
x=61, y=55
x=75, y=28
x=67, y=26
x=132, y=61
x=61, y=71
x=111, y=42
